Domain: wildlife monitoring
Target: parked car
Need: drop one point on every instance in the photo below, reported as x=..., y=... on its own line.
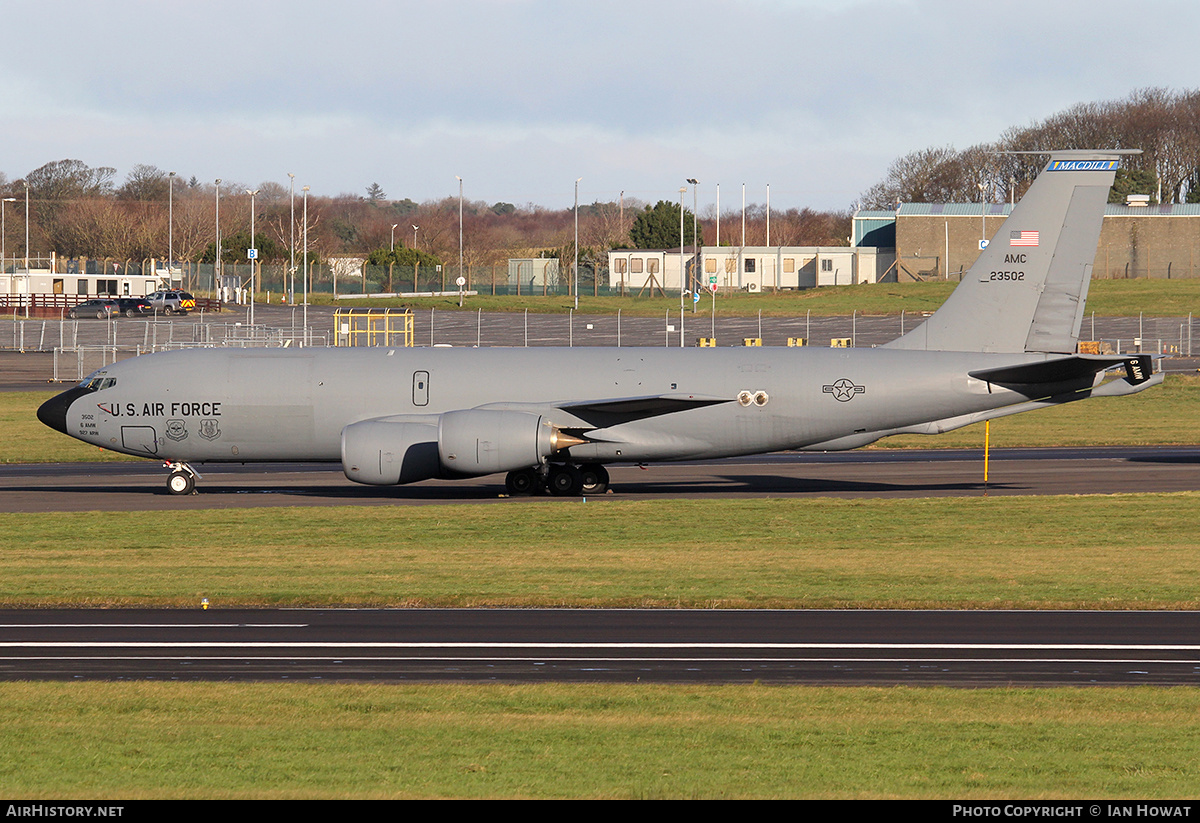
x=101, y=309
x=171, y=301
x=134, y=306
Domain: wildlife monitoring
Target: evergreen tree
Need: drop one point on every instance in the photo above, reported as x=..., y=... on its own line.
x=658, y=227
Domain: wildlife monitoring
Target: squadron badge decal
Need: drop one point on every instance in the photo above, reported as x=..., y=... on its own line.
x=209, y=429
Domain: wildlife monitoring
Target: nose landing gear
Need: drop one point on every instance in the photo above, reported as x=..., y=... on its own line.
x=182, y=479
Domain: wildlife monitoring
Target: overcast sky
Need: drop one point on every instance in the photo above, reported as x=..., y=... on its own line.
x=520, y=97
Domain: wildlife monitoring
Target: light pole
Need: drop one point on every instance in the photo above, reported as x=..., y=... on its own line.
x=982, y=217
x=460, y=230
x=2, y=231
x=26, y=235
x=292, y=242
x=415, y=237
x=306, y=263
x=394, y=236
x=682, y=192
x=695, y=233
x=170, y=225
x=577, y=242
x=217, y=280
x=252, y=252
x=768, y=215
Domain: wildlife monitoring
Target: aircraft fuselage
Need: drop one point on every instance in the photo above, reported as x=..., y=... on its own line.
x=237, y=405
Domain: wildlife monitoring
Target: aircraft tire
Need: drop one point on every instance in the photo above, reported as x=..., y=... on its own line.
x=565, y=481
x=595, y=478
x=522, y=483
x=180, y=482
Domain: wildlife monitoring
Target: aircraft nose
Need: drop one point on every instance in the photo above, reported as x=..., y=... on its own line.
x=54, y=411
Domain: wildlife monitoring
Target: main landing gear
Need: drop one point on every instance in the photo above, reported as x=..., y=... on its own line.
x=558, y=479
x=182, y=479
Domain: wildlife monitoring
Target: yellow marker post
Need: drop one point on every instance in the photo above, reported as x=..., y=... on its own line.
x=987, y=443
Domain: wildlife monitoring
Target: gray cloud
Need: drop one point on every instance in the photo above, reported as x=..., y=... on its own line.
x=521, y=96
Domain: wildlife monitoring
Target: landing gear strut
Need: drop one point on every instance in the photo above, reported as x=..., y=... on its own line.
x=559, y=479
x=182, y=479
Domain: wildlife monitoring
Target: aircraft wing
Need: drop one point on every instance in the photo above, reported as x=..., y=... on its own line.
x=613, y=411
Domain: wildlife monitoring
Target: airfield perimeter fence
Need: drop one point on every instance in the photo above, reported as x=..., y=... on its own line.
x=81, y=346
x=1171, y=336
x=344, y=281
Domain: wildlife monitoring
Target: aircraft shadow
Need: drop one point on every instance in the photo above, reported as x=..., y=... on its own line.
x=774, y=484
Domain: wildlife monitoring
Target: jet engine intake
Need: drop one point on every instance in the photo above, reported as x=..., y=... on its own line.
x=387, y=452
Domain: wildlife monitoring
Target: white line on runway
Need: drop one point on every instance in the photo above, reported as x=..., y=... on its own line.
x=419, y=659
x=153, y=625
x=470, y=645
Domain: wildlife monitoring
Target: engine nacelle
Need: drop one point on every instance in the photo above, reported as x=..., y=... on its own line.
x=486, y=441
x=385, y=452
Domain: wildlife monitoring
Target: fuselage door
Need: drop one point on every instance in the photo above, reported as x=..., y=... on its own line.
x=421, y=388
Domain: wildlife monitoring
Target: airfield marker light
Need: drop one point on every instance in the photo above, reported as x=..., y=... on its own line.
x=204, y=603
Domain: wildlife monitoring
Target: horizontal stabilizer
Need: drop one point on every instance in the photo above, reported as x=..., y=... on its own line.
x=1138, y=369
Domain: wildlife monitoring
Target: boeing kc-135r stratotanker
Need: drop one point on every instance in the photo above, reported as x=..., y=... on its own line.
x=1004, y=342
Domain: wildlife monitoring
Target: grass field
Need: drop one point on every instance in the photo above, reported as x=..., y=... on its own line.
x=295, y=740
x=1111, y=552
x=1126, y=298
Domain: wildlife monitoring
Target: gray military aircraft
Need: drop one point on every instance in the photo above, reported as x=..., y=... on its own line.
x=1003, y=343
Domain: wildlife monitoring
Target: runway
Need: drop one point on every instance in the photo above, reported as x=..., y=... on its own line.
x=141, y=486
x=965, y=649
x=962, y=649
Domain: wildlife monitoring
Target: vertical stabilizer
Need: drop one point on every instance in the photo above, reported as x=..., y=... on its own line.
x=1026, y=291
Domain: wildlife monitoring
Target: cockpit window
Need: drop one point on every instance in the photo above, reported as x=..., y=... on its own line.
x=98, y=383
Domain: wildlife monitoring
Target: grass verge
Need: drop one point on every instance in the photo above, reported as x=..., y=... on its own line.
x=178, y=740
x=1094, y=552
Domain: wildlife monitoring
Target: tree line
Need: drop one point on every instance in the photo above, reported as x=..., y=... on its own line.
x=80, y=211
x=1164, y=124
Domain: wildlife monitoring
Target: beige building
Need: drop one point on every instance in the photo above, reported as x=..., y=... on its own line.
x=747, y=268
